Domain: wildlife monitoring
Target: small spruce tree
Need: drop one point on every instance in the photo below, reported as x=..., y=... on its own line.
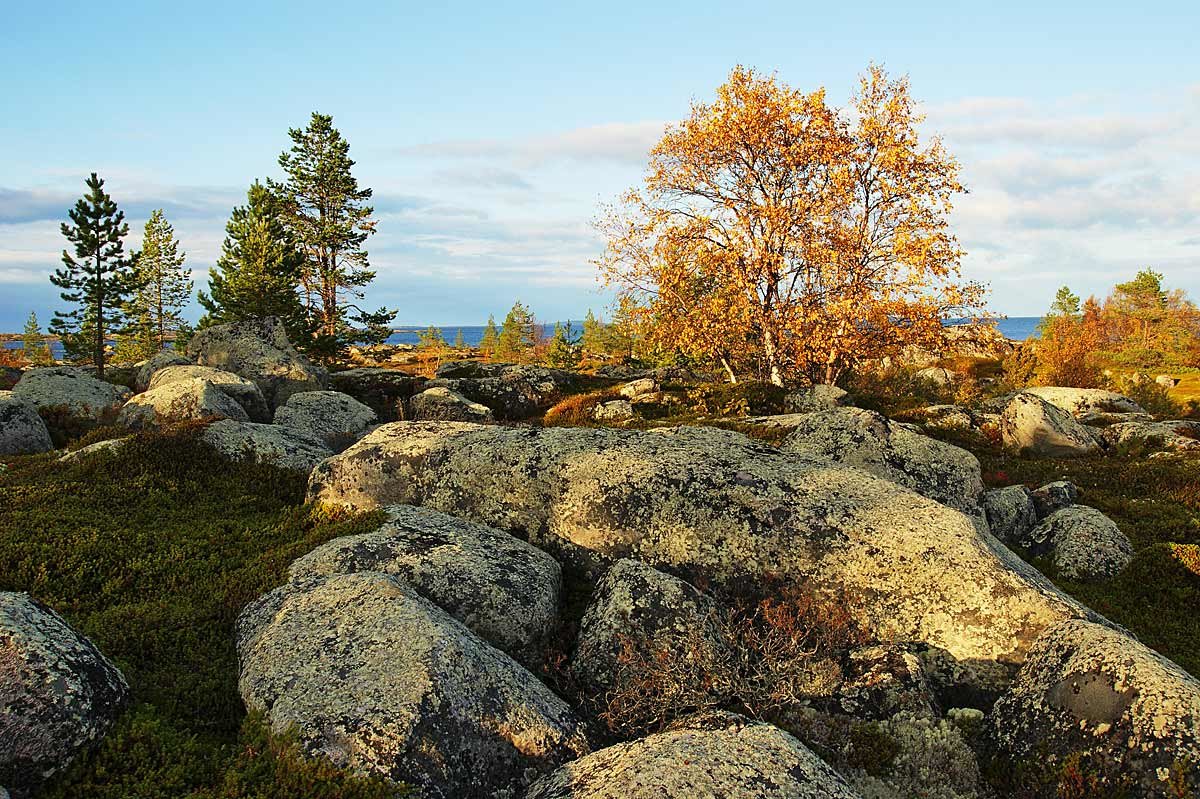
x=491, y=338
x=37, y=350
x=518, y=334
x=563, y=350
x=459, y=342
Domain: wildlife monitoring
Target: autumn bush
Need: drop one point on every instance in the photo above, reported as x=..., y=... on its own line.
x=577, y=409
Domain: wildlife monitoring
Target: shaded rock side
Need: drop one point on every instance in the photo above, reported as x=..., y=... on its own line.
x=258, y=349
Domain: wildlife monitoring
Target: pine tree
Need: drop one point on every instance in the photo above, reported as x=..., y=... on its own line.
x=36, y=351
x=258, y=273
x=166, y=284
x=490, y=341
x=98, y=279
x=593, y=335
x=431, y=338
x=563, y=351
x=459, y=342
x=327, y=213
x=517, y=334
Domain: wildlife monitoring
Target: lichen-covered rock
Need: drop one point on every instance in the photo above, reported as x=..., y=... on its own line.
x=379, y=680
x=936, y=375
x=1076, y=401
x=1083, y=543
x=1032, y=426
x=870, y=441
x=882, y=680
x=946, y=417
x=9, y=377
x=613, y=411
x=1091, y=691
x=265, y=443
x=58, y=694
x=22, y=431
x=335, y=419
x=242, y=391
x=70, y=400
x=636, y=389
x=385, y=391
x=502, y=588
x=715, y=503
x=512, y=391
x=718, y=756
x=258, y=349
x=1106, y=418
x=1011, y=512
x=148, y=367
x=108, y=445
x=1054, y=496
x=640, y=609
x=189, y=400
x=441, y=404
x=1181, y=435
x=820, y=397
x=932, y=759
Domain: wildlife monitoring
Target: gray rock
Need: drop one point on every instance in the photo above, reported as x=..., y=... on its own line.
x=1106, y=418
x=1076, y=401
x=1030, y=425
x=445, y=405
x=1054, y=496
x=242, y=391
x=937, y=376
x=717, y=756
x=22, y=431
x=1011, y=512
x=650, y=613
x=70, y=400
x=148, y=367
x=613, y=411
x=512, y=391
x=820, y=397
x=258, y=349
x=714, y=503
x=189, y=400
x=335, y=419
x=58, y=694
x=1181, y=435
x=385, y=391
x=265, y=443
x=635, y=389
x=1083, y=543
x=503, y=589
x=1166, y=381
x=1087, y=690
x=946, y=417
x=379, y=680
x=882, y=680
x=869, y=441
x=108, y=445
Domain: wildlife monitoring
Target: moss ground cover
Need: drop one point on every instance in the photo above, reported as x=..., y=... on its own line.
x=152, y=552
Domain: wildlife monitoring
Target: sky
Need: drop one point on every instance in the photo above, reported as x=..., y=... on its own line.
x=492, y=133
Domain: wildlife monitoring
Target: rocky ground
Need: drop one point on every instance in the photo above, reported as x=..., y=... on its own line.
x=240, y=575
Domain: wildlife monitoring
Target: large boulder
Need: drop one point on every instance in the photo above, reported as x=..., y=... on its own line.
x=265, y=443
x=1077, y=401
x=378, y=679
x=70, y=400
x=22, y=431
x=820, y=397
x=637, y=611
x=1032, y=426
x=1083, y=543
x=1011, y=512
x=721, y=755
x=335, y=419
x=385, y=391
x=242, y=391
x=441, y=404
x=1091, y=692
x=162, y=360
x=714, y=503
x=189, y=400
x=58, y=694
x=503, y=589
x=869, y=441
x=512, y=391
x=258, y=349
x=1181, y=435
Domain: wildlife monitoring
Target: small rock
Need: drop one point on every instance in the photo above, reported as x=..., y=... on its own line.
x=636, y=389
x=1083, y=543
x=1181, y=435
x=1011, y=512
x=937, y=376
x=188, y=400
x=335, y=419
x=242, y=391
x=1167, y=381
x=820, y=397
x=22, y=431
x=266, y=443
x=1054, y=496
x=108, y=445
x=443, y=404
x=613, y=411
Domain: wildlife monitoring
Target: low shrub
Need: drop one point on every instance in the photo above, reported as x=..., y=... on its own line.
x=577, y=409
x=752, y=398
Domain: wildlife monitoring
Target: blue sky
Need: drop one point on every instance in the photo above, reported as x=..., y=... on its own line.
x=492, y=132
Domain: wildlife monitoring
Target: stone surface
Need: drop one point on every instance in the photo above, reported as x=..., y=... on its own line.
x=1076, y=401
x=335, y=419
x=147, y=368
x=649, y=612
x=503, y=589
x=635, y=389
x=1054, y=496
x=945, y=417
x=1032, y=426
x=870, y=441
x=1083, y=543
x=108, y=445
x=512, y=391
x=241, y=390
x=936, y=375
x=614, y=411
x=58, y=694
x=882, y=680
x=1011, y=512
x=70, y=400
x=443, y=404
x=265, y=443
x=720, y=756
x=258, y=349
x=188, y=400
x=714, y=503
x=815, y=398
x=1166, y=381
x=22, y=431
x=1181, y=435
x=378, y=679
x=1093, y=691
x=385, y=391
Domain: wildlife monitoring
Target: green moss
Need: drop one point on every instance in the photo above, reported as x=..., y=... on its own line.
x=152, y=552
